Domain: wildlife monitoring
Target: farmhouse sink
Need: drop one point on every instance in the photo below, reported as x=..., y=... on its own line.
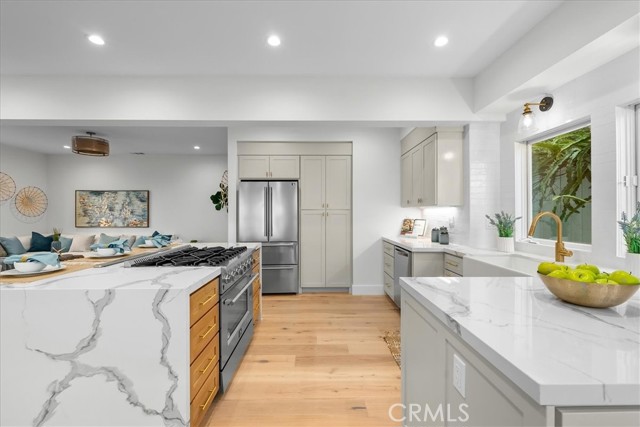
x=507, y=265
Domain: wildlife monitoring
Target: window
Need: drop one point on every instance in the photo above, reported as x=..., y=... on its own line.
x=560, y=182
x=628, y=163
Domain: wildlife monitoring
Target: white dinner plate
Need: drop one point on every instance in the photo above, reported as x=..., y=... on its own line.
x=97, y=255
x=146, y=246
x=47, y=269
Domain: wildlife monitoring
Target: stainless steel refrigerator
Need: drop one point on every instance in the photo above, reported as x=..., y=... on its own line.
x=268, y=213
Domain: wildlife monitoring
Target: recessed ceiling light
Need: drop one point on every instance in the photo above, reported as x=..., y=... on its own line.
x=96, y=39
x=441, y=41
x=196, y=147
x=273, y=40
x=66, y=147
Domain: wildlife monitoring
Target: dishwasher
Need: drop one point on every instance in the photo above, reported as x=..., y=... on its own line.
x=401, y=268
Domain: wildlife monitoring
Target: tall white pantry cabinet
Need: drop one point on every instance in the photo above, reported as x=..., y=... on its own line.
x=325, y=221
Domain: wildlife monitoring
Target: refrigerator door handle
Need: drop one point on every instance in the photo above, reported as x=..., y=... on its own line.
x=266, y=210
x=289, y=267
x=270, y=212
x=280, y=244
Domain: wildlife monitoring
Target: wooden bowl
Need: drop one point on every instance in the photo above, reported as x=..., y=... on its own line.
x=589, y=294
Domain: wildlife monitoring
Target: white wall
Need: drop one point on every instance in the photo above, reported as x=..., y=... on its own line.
x=179, y=185
x=376, y=189
x=179, y=189
x=594, y=95
x=27, y=169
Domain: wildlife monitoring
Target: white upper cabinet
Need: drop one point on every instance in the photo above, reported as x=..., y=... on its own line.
x=432, y=173
x=269, y=167
x=325, y=182
x=312, y=182
x=338, y=182
x=284, y=167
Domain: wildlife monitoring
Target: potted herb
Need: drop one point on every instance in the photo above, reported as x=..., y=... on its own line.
x=631, y=232
x=504, y=222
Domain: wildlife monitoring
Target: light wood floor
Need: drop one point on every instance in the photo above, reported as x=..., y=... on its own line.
x=315, y=360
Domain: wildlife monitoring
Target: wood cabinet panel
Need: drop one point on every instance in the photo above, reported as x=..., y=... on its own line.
x=203, y=331
x=202, y=402
x=204, y=364
x=203, y=299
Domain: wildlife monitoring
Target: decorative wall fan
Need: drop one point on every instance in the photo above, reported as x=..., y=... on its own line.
x=7, y=187
x=29, y=204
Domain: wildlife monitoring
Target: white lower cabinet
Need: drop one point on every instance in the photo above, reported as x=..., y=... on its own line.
x=325, y=248
x=312, y=248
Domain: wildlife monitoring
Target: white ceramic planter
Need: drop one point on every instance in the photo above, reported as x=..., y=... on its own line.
x=506, y=244
x=632, y=263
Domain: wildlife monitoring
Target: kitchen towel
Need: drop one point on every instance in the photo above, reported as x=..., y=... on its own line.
x=120, y=245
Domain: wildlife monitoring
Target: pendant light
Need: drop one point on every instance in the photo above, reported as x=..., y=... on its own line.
x=527, y=124
x=90, y=145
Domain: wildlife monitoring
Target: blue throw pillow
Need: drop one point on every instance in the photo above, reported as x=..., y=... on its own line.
x=66, y=243
x=12, y=245
x=40, y=243
x=105, y=240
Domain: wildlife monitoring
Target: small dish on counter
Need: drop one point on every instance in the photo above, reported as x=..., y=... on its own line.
x=106, y=251
x=97, y=255
x=29, y=266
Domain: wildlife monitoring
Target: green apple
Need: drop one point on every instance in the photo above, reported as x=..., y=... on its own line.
x=603, y=275
x=547, y=267
x=595, y=270
x=606, y=282
x=558, y=274
x=624, y=278
x=580, y=275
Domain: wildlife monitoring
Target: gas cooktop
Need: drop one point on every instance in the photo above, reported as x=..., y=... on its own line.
x=191, y=256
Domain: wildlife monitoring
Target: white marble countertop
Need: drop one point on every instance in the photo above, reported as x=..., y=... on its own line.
x=557, y=353
x=426, y=245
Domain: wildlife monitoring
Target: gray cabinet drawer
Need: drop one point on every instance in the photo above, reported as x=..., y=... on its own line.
x=388, y=285
x=453, y=263
x=449, y=273
x=388, y=248
x=388, y=264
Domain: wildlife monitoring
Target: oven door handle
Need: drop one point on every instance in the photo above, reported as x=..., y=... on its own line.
x=237, y=297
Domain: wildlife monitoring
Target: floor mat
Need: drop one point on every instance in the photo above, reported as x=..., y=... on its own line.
x=392, y=338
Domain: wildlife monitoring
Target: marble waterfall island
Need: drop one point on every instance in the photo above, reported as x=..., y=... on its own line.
x=526, y=357
x=106, y=346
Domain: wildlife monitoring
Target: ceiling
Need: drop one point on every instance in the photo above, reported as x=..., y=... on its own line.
x=228, y=38
x=327, y=38
x=122, y=139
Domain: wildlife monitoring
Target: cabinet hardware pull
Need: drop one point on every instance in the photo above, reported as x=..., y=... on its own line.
x=208, y=331
x=455, y=264
x=207, y=367
x=207, y=300
x=206, y=402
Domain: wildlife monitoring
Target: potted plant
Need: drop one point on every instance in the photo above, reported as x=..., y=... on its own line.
x=220, y=199
x=631, y=232
x=504, y=222
x=56, y=245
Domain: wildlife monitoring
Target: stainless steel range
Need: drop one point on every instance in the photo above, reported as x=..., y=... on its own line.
x=236, y=296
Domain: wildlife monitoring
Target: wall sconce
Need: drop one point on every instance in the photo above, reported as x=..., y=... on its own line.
x=527, y=122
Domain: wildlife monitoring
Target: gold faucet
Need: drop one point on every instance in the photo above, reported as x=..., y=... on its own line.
x=561, y=251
